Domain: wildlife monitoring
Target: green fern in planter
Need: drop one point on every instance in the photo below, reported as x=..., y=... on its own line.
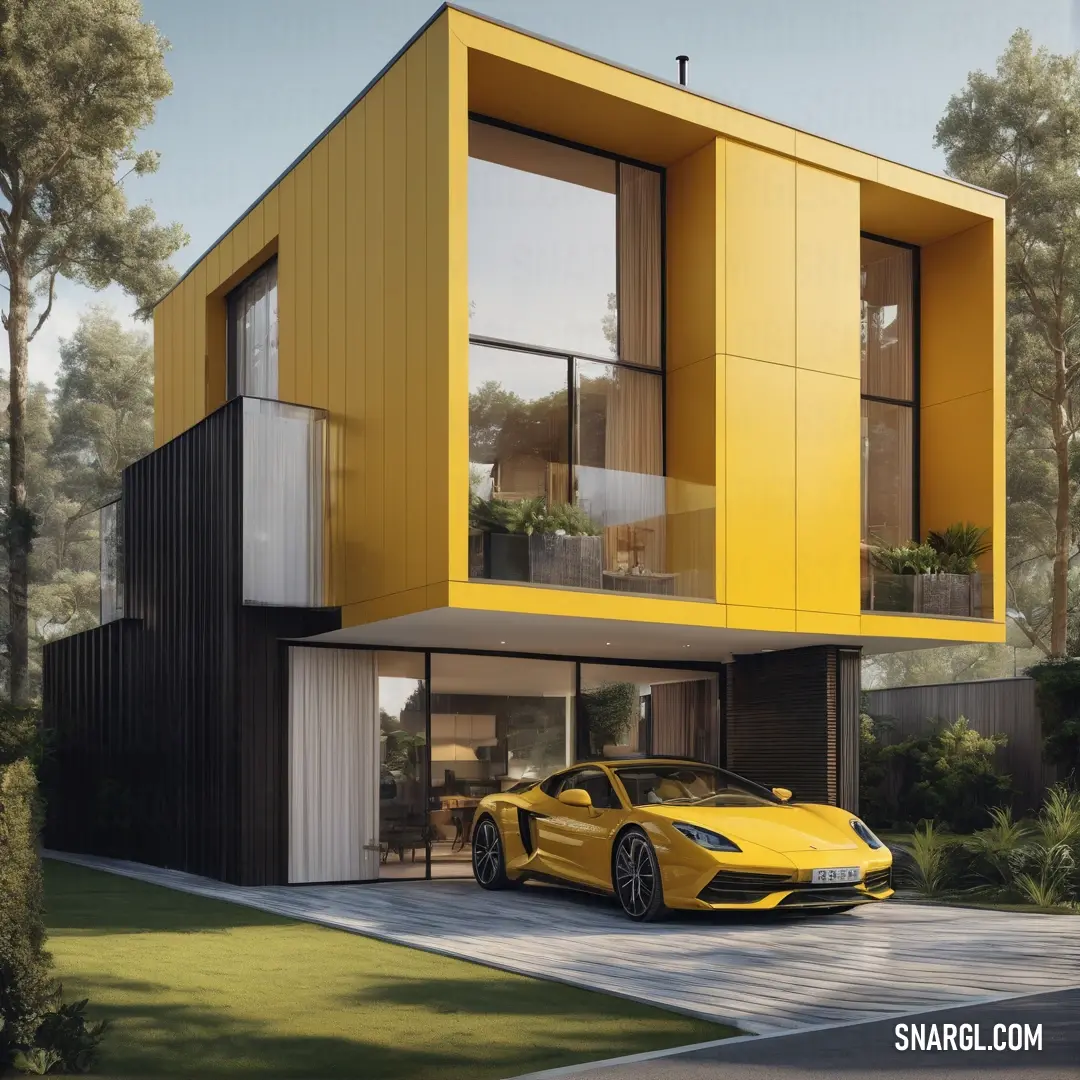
x=909, y=558
x=959, y=547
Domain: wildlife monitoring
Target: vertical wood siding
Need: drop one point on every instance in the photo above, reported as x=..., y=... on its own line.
x=170, y=722
x=1005, y=706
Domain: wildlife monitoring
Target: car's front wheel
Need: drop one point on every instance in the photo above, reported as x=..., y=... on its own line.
x=637, y=877
x=488, y=863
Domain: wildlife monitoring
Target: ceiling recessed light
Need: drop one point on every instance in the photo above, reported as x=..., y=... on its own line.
x=686, y=646
x=502, y=642
x=607, y=642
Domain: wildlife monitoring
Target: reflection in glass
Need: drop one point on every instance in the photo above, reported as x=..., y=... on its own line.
x=629, y=711
x=518, y=424
x=253, y=335
x=619, y=472
x=888, y=354
x=542, y=257
x=887, y=471
x=404, y=831
x=495, y=721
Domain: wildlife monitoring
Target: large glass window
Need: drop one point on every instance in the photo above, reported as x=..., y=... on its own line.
x=566, y=480
x=495, y=721
x=888, y=392
x=564, y=247
x=253, y=335
x=404, y=829
x=644, y=710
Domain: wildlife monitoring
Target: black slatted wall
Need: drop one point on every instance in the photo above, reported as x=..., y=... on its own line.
x=787, y=714
x=203, y=698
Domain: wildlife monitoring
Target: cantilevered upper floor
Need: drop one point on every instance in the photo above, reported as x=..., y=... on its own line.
x=599, y=357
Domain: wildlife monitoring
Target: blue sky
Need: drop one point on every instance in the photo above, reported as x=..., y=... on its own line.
x=257, y=80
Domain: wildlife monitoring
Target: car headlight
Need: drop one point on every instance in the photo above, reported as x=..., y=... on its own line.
x=706, y=838
x=865, y=834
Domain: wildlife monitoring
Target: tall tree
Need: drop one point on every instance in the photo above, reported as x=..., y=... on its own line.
x=1018, y=132
x=78, y=80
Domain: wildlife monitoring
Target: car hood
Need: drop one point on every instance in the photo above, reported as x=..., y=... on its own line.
x=784, y=829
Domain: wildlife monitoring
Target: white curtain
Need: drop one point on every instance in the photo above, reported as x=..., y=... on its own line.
x=254, y=313
x=283, y=504
x=333, y=765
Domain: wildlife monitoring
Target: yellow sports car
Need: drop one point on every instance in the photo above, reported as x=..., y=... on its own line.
x=663, y=833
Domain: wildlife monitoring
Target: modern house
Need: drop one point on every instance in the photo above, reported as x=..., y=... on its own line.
x=541, y=407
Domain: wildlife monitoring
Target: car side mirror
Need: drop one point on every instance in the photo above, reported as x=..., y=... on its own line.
x=575, y=796
x=781, y=793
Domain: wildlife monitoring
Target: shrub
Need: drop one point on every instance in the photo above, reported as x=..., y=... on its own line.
x=875, y=808
x=993, y=850
x=948, y=776
x=930, y=871
x=37, y=1032
x=1057, y=693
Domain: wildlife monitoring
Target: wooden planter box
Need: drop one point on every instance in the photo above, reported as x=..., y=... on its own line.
x=929, y=594
x=654, y=584
x=544, y=559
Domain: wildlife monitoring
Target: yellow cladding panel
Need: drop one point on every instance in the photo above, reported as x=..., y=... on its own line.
x=695, y=256
x=416, y=328
x=760, y=497
x=827, y=499
x=957, y=284
x=956, y=474
x=760, y=272
x=962, y=388
x=695, y=518
x=395, y=424
x=356, y=519
x=827, y=272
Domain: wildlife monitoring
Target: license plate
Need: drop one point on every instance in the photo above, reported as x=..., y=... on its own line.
x=840, y=875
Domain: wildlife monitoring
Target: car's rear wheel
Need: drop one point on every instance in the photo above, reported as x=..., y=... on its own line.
x=488, y=861
x=637, y=877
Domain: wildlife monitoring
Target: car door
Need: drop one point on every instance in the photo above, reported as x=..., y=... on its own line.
x=574, y=842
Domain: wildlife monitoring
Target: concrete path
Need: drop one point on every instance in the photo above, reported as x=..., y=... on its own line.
x=765, y=974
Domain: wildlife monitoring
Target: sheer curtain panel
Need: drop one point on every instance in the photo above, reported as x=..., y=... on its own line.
x=253, y=335
x=283, y=504
x=333, y=765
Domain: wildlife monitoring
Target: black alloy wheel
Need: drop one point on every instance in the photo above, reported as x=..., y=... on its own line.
x=637, y=877
x=489, y=867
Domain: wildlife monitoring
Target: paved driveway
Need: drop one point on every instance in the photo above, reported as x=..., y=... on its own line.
x=763, y=973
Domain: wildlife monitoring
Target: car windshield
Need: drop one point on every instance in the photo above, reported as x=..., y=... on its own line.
x=691, y=785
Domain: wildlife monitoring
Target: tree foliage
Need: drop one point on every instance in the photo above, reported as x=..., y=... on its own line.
x=1017, y=132
x=78, y=81
x=78, y=441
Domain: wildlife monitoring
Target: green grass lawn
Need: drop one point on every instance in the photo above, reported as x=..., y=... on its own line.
x=197, y=987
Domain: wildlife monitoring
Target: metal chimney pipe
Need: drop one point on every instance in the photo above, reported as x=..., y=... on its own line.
x=684, y=65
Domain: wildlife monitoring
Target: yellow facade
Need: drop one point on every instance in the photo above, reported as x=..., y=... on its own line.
x=762, y=351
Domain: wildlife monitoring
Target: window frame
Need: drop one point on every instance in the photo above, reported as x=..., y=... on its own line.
x=572, y=357
x=913, y=404
x=231, y=369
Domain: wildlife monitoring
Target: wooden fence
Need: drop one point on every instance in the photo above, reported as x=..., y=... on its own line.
x=1005, y=706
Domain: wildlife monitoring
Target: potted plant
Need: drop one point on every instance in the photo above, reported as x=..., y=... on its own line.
x=938, y=577
x=528, y=540
x=610, y=712
x=959, y=548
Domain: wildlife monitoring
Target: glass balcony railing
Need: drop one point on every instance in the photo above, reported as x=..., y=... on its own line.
x=624, y=532
x=284, y=503
x=962, y=596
